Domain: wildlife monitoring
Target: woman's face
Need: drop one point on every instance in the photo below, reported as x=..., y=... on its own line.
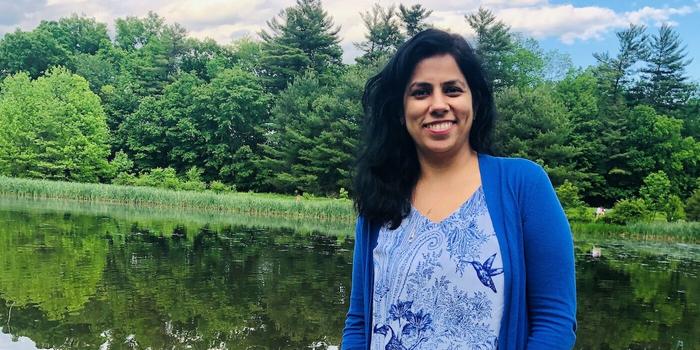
x=438, y=107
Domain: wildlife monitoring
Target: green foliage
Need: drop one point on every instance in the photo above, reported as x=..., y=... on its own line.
x=383, y=35
x=569, y=196
x=665, y=85
x=301, y=37
x=257, y=204
x=674, y=209
x=627, y=211
x=509, y=60
x=656, y=190
x=692, y=206
x=536, y=126
x=580, y=214
x=32, y=52
x=315, y=133
x=343, y=193
x=220, y=187
x=413, y=19
x=283, y=113
x=52, y=127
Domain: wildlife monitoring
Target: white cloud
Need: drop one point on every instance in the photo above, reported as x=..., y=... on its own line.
x=570, y=23
x=227, y=20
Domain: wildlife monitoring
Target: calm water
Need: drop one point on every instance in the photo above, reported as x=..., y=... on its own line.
x=85, y=277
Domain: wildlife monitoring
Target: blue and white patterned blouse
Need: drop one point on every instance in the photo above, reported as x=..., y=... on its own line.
x=438, y=285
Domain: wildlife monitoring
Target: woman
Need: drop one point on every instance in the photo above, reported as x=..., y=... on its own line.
x=454, y=249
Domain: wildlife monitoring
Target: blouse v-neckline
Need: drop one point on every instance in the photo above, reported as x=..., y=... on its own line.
x=453, y=213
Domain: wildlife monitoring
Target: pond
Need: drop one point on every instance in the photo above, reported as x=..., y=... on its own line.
x=77, y=276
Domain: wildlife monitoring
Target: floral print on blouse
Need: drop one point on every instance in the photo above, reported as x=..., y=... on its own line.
x=438, y=285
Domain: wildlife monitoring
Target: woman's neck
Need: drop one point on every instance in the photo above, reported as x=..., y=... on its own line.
x=444, y=167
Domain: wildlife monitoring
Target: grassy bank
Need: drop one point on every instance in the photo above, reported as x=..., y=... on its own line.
x=268, y=205
x=685, y=232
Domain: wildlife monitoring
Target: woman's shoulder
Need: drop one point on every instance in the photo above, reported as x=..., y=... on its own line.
x=513, y=167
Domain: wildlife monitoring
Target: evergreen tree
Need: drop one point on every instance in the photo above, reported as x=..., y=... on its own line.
x=383, y=35
x=493, y=42
x=301, y=37
x=616, y=74
x=534, y=125
x=507, y=59
x=413, y=18
x=664, y=82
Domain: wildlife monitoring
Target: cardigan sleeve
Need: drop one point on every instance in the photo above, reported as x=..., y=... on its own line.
x=549, y=264
x=354, y=332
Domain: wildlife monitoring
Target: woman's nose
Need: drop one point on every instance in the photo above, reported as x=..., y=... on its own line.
x=439, y=104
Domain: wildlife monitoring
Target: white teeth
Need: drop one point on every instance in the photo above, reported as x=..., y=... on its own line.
x=440, y=126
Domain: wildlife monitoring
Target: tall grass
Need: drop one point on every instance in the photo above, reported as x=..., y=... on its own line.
x=245, y=203
x=685, y=232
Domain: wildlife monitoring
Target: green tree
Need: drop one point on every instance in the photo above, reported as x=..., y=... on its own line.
x=616, y=73
x=413, y=19
x=508, y=60
x=656, y=190
x=77, y=34
x=314, y=130
x=627, y=211
x=53, y=127
x=664, y=82
x=534, y=125
x=32, y=52
x=301, y=37
x=383, y=35
x=579, y=93
x=569, y=195
x=692, y=206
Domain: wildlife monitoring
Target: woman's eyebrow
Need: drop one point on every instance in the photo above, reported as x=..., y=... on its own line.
x=420, y=84
x=455, y=82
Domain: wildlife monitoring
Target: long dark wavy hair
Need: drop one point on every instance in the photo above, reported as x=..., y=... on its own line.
x=387, y=167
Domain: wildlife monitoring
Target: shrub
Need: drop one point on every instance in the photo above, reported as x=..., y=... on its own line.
x=569, y=196
x=159, y=177
x=343, y=193
x=674, y=209
x=124, y=178
x=656, y=191
x=692, y=206
x=628, y=210
x=220, y=187
x=580, y=214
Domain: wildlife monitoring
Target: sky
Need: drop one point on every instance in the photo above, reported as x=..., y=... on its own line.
x=577, y=28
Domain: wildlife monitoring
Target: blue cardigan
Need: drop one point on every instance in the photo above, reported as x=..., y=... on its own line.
x=538, y=260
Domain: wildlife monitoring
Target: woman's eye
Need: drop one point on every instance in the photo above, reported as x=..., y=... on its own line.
x=420, y=93
x=453, y=90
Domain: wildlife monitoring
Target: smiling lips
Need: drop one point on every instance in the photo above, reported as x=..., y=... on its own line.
x=439, y=127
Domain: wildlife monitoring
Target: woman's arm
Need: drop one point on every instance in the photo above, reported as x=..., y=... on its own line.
x=354, y=332
x=549, y=264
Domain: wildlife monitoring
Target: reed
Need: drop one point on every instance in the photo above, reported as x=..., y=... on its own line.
x=684, y=232
x=258, y=204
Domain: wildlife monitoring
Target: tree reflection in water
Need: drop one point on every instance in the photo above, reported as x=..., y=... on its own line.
x=76, y=281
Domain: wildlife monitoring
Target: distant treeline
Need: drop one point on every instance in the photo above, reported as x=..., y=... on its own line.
x=283, y=114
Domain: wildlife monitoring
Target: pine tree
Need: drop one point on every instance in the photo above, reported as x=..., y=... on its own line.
x=383, y=34
x=616, y=73
x=301, y=37
x=664, y=83
x=493, y=42
x=413, y=18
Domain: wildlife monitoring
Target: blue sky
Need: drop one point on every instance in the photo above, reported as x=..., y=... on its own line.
x=578, y=28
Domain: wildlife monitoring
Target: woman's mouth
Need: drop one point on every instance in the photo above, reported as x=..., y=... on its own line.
x=439, y=126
